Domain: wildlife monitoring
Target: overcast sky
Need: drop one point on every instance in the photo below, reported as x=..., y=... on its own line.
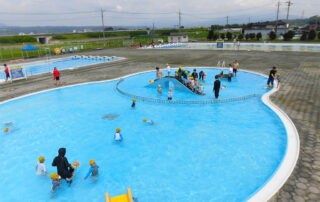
x=146, y=12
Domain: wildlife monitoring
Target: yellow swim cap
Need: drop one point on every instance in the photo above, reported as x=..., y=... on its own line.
x=167, y=64
x=159, y=86
x=54, y=176
x=41, y=159
x=134, y=99
x=144, y=120
x=278, y=74
x=76, y=163
x=270, y=85
x=170, y=89
x=5, y=130
x=201, y=83
x=224, y=85
x=91, y=161
x=118, y=130
x=151, y=81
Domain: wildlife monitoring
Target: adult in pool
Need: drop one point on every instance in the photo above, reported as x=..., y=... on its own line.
x=216, y=87
x=64, y=168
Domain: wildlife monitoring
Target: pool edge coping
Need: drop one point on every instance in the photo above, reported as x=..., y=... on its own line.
x=284, y=170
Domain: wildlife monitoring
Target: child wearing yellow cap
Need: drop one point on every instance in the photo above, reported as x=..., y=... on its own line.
x=148, y=121
x=56, y=181
x=93, y=171
x=41, y=167
x=133, y=103
x=201, y=88
x=118, y=136
x=8, y=126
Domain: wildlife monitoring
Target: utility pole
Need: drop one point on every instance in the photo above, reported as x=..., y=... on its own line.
x=276, y=27
x=289, y=4
x=179, y=21
x=102, y=20
x=153, y=26
x=302, y=16
x=227, y=20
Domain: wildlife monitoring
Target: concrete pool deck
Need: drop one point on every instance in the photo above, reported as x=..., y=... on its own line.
x=299, y=95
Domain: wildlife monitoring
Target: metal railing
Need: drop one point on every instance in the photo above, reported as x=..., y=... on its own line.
x=210, y=101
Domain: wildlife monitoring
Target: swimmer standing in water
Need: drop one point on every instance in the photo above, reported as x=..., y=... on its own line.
x=133, y=103
x=118, y=136
x=93, y=171
x=41, y=167
x=159, y=89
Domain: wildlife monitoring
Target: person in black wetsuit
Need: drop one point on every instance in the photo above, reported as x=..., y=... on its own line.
x=216, y=87
x=201, y=74
x=272, y=76
x=64, y=168
x=194, y=74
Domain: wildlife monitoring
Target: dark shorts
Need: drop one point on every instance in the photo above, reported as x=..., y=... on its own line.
x=169, y=98
x=58, y=78
x=7, y=75
x=235, y=70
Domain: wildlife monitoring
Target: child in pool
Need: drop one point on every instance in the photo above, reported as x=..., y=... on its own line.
x=159, y=89
x=192, y=81
x=201, y=88
x=56, y=181
x=170, y=94
x=204, y=77
x=8, y=126
x=41, y=167
x=118, y=136
x=148, y=121
x=278, y=80
x=133, y=103
x=196, y=83
x=93, y=171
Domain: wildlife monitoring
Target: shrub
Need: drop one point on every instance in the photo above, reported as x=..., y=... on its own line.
x=259, y=36
x=222, y=36
x=272, y=35
x=252, y=35
x=312, y=35
x=59, y=37
x=229, y=35
x=289, y=35
x=137, y=33
x=247, y=36
x=17, y=39
x=210, y=35
x=215, y=36
x=319, y=35
x=303, y=36
x=240, y=36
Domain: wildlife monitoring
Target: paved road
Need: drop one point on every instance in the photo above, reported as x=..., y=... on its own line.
x=299, y=96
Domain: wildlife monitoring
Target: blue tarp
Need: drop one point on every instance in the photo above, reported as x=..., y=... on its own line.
x=29, y=48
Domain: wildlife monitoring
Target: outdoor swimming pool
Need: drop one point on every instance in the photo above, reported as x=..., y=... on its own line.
x=303, y=47
x=46, y=66
x=214, y=152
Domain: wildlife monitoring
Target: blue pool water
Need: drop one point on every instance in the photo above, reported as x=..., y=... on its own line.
x=216, y=152
x=244, y=84
x=46, y=66
x=300, y=47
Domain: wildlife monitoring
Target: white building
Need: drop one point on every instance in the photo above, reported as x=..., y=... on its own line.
x=178, y=38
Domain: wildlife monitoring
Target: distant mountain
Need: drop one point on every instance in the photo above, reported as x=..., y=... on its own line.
x=301, y=22
x=13, y=30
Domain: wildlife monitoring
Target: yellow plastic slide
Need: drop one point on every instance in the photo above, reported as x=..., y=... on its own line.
x=122, y=198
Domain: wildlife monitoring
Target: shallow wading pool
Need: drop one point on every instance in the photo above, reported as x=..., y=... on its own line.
x=211, y=152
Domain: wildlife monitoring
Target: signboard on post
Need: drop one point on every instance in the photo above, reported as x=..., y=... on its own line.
x=17, y=72
x=219, y=44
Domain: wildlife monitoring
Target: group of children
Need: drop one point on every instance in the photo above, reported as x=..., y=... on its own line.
x=56, y=178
